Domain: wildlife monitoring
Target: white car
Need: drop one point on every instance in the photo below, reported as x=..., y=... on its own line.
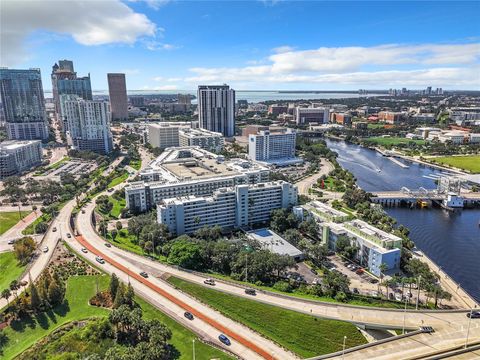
x=398, y=296
x=45, y=249
x=84, y=250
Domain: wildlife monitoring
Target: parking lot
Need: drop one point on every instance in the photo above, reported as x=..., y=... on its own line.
x=73, y=167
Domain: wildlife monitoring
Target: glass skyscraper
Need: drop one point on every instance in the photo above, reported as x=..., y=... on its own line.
x=21, y=93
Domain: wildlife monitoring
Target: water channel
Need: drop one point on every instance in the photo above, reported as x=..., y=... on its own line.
x=452, y=240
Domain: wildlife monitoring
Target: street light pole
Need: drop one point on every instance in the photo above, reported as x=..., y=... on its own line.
x=468, y=328
x=418, y=290
x=343, y=351
x=193, y=349
x=404, y=314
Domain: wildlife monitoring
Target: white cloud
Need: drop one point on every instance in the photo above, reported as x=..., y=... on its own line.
x=154, y=4
x=87, y=22
x=158, y=78
x=428, y=64
x=164, y=87
x=155, y=45
x=283, y=49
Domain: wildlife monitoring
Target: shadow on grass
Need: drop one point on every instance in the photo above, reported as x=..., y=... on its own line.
x=42, y=319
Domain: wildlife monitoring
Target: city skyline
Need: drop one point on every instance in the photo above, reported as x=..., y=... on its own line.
x=174, y=45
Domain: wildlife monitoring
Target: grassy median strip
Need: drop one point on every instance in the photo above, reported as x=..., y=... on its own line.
x=24, y=333
x=302, y=334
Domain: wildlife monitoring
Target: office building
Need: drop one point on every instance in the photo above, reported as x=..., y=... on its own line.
x=216, y=109
x=88, y=123
x=276, y=110
x=184, y=171
x=165, y=134
x=374, y=246
x=391, y=117
x=228, y=207
x=66, y=82
x=23, y=104
x=184, y=99
x=272, y=146
x=18, y=156
x=342, y=119
x=320, y=115
x=208, y=140
x=117, y=91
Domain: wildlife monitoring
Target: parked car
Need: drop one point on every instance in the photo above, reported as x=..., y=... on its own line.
x=373, y=281
x=188, y=315
x=374, y=293
x=144, y=274
x=69, y=235
x=250, y=292
x=360, y=271
x=224, y=339
x=108, y=245
x=110, y=190
x=84, y=250
x=355, y=291
x=45, y=249
x=83, y=211
x=100, y=260
x=209, y=282
x=11, y=242
x=54, y=229
x=474, y=315
x=398, y=297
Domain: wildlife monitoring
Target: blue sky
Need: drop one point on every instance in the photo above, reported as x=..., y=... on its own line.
x=170, y=45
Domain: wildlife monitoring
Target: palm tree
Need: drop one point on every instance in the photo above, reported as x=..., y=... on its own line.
x=383, y=267
x=6, y=293
x=14, y=286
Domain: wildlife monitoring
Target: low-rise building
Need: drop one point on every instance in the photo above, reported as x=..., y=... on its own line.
x=270, y=240
x=230, y=207
x=374, y=246
x=319, y=115
x=205, y=139
x=474, y=138
x=276, y=110
x=342, y=118
x=165, y=135
x=17, y=156
x=391, y=117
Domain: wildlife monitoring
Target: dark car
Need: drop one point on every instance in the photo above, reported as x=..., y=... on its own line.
x=250, y=292
x=474, y=315
x=144, y=274
x=108, y=245
x=69, y=235
x=188, y=315
x=355, y=291
x=224, y=339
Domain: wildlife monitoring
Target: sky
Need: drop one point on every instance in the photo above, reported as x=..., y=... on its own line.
x=250, y=45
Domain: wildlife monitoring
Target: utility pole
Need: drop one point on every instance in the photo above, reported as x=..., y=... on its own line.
x=246, y=267
x=404, y=314
x=418, y=290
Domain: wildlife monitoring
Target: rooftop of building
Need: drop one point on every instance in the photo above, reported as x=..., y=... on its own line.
x=15, y=144
x=274, y=242
x=189, y=163
x=192, y=133
x=325, y=211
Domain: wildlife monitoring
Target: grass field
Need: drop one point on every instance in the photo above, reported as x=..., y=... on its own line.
x=10, y=218
x=392, y=141
x=9, y=269
x=23, y=334
x=119, y=179
x=125, y=241
x=470, y=162
x=305, y=335
x=118, y=205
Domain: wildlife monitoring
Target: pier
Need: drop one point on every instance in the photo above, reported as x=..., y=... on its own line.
x=390, y=155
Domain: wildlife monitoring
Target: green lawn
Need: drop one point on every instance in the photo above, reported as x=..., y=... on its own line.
x=469, y=162
x=10, y=218
x=9, y=269
x=23, y=334
x=305, y=335
x=126, y=241
x=118, y=180
x=392, y=141
x=136, y=164
x=118, y=205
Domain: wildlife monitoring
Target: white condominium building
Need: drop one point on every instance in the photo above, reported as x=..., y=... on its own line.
x=268, y=146
x=88, y=123
x=187, y=171
x=165, y=135
x=17, y=156
x=229, y=208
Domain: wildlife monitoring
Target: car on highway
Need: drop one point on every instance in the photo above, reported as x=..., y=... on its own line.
x=69, y=235
x=188, y=315
x=108, y=245
x=11, y=242
x=224, y=339
x=83, y=211
x=54, y=229
x=209, y=282
x=144, y=274
x=110, y=190
x=100, y=260
x=474, y=315
x=84, y=250
x=45, y=249
x=250, y=292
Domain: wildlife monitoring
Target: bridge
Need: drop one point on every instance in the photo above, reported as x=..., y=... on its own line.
x=394, y=198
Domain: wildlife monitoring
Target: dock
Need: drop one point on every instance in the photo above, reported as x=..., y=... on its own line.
x=391, y=156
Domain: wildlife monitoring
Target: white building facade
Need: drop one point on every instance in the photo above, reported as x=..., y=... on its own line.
x=319, y=115
x=267, y=145
x=229, y=208
x=88, y=123
x=17, y=156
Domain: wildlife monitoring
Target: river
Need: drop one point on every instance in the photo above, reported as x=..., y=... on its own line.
x=452, y=240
